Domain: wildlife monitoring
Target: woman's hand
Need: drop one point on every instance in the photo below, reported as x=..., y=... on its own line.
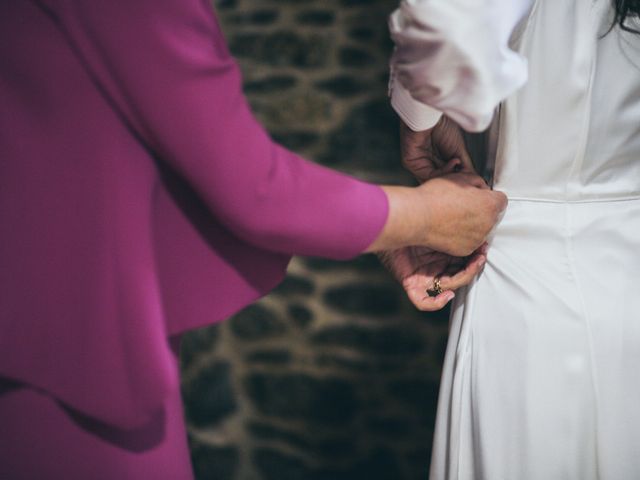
x=417, y=268
x=425, y=153
x=429, y=155
x=452, y=214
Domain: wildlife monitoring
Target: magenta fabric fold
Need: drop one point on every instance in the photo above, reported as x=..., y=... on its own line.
x=139, y=198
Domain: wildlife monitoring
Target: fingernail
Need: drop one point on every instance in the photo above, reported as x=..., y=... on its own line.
x=450, y=296
x=482, y=262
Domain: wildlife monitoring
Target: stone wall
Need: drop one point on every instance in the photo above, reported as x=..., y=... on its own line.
x=333, y=376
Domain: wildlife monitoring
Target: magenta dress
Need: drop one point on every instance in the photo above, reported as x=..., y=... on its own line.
x=139, y=198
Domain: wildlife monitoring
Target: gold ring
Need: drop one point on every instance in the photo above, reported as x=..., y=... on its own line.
x=436, y=289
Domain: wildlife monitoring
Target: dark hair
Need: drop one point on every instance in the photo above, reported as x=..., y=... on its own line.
x=626, y=9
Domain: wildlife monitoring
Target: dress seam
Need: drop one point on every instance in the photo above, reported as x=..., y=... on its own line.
x=588, y=328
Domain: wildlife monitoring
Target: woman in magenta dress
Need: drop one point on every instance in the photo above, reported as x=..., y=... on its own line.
x=140, y=199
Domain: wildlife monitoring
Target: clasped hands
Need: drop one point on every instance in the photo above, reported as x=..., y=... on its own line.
x=462, y=210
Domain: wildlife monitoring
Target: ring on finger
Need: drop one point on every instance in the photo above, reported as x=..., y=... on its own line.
x=436, y=288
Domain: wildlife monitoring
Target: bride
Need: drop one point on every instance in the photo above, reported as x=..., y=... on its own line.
x=541, y=372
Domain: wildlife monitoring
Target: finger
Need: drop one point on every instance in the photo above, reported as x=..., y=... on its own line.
x=467, y=164
x=425, y=303
x=471, y=179
x=477, y=181
x=455, y=165
x=501, y=200
x=466, y=275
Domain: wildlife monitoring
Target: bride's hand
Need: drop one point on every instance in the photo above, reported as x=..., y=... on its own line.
x=424, y=153
x=416, y=268
x=428, y=155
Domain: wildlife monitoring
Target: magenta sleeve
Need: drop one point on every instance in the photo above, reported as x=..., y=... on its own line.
x=165, y=68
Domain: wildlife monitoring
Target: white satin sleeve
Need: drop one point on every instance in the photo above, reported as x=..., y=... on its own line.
x=453, y=57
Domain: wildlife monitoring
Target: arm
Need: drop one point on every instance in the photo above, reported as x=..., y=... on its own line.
x=452, y=56
x=165, y=68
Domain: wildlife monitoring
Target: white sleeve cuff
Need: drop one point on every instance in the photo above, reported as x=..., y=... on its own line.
x=416, y=115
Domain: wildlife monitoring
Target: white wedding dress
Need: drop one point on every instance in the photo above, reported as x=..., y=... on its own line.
x=542, y=372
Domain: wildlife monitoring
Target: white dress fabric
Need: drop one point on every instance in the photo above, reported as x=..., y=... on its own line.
x=453, y=56
x=542, y=372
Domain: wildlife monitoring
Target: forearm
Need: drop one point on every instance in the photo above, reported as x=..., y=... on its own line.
x=405, y=220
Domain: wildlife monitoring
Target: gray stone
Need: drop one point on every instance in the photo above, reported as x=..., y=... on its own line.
x=353, y=57
x=282, y=48
x=256, y=322
x=294, y=285
x=197, y=342
x=296, y=141
x=363, y=34
x=381, y=364
x=294, y=2
x=219, y=463
x=393, y=341
x=333, y=447
x=302, y=52
x=344, y=86
x=388, y=426
x=209, y=397
x=298, y=396
x=419, y=460
x=270, y=357
x=265, y=431
x=245, y=44
x=336, y=362
x=363, y=263
x=368, y=138
x=297, y=113
x=418, y=393
x=225, y=4
x=358, y=3
x=316, y=17
x=275, y=465
x=275, y=83
x=257, y=17
x=381, y=464
x=300, y=314
x=365, y=299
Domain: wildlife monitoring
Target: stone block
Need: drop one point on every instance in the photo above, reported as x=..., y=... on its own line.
x=219, y=463
x=256, y=322
x=392, y=341
x=328, y=401
x=316, y=17
x=365, y=299
x=300, y=314
x=209, y=397
x=269, y=357
x=294, y=285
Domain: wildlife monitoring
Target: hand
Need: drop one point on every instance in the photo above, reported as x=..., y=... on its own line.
x=460, y=211
x=452, y=214
x=416, y=268
x=424, y=153
x=428, y=155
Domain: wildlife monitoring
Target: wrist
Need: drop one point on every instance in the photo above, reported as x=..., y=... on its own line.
x=404, y=223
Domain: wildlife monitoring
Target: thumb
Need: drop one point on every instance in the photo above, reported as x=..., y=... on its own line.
x=500, y=200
